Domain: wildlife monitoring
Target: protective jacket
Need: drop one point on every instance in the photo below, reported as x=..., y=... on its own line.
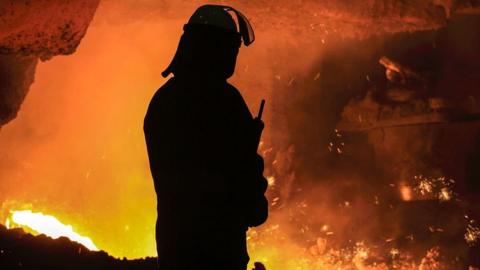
x=207, y=173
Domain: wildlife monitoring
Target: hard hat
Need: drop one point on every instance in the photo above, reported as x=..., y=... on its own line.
x=213, y=16
x=219, y=16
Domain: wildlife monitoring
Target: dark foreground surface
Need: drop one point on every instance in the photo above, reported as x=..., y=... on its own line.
x=20, y=250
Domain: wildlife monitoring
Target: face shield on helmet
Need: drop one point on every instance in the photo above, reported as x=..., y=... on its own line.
x=219, y=16
x=245, y=28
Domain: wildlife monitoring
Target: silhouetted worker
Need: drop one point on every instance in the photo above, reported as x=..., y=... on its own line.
x=202, y=147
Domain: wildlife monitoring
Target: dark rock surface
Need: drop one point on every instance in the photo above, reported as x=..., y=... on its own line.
x=20, y=250
x=44, y=28
x=16, y=74
x=32, y=30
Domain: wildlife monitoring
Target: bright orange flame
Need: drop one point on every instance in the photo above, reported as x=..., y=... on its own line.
x=50, y=226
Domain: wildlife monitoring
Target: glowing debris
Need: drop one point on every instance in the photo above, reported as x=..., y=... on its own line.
x=472, y=234
x=394, y=252
x=271, y=180
x=425, y=186
x=439, y=188
x=431, y=260
x=445, y=194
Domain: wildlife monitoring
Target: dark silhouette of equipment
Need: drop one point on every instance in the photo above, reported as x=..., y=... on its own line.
x=259, y=123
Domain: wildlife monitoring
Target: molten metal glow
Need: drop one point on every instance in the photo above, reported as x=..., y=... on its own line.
x=50, y=226
x=406, y=193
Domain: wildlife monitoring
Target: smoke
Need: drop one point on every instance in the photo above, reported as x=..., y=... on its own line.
x=76, y=149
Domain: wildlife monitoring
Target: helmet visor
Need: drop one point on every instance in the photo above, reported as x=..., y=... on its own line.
x=245, y=28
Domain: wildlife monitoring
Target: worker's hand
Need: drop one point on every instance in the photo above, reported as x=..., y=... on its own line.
x=257, y=129
x=258, y=266
x=259, y=125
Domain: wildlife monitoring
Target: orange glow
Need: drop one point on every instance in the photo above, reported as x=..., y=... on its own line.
x=406, y=192
x=50, y=226
x=77, y=149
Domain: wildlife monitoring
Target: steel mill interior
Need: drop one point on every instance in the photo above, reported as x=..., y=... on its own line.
x=371, y=146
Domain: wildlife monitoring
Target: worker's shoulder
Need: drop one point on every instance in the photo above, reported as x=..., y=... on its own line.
x=164, y=91
x=233, y=92
x=232, y=89
x=159, y=100
x=237, y=100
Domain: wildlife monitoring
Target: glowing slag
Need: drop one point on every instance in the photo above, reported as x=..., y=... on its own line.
x=50, y=226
